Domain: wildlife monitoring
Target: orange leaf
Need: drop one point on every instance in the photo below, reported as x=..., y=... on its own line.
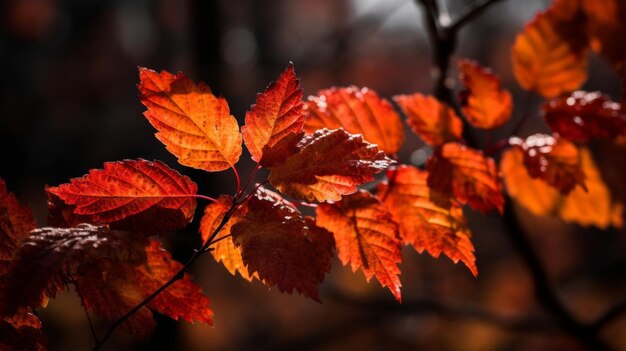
x=461, y=173
x=422, y=223
x=554, y=160
x=606, y=28
x=583, y=116
x=546, y=56
x=192, y=123
x=284, y=248
x=110, y=288
x=135, y=195
x=485, y=104
x=16, y=223
x=591, y=207
x=328, y=164
x=276, y=116
x=435, y=122
x=49, y=257
x=366, y=236
x=358, y=111
x=224, y=250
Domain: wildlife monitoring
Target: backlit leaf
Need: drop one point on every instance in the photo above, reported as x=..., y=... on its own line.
x=111, y=288
x=135, y=195
x=546, y=57
x=225, y=249
x=583, y=116
x=434, y=121
x=592, y=207
x=554, y=160
x=192, y=123
x=459, y=173
x=284, y=248
x=16, y=222
x=366, y=237
x=328, y=164
x=358, y=111
x=276, y=116
x=422, y=223
x=606, y=27
x=22, y=332
x=485, y=104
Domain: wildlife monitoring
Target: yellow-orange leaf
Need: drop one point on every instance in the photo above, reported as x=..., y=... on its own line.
x=459, y=173
x=328, y=164
x=546, y=60
x=358, y=111
x=276, y=114
x=435, y=122
x=366, y=237
x=423, y=224
x=224, y=250
x=592, y=207
x=192, y=123
x=485, y=104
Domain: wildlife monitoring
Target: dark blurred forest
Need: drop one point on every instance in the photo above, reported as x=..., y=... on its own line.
x=68, y=103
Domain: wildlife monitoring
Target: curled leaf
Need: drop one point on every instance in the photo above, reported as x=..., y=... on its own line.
x=192, y=123
x=422, y=223
x=358, y=111
x=328, y=164
x=434, y=121
x=366, y=236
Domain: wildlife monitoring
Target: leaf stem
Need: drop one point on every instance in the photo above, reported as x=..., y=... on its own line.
x=250, y=178
x=204, y=197
x=237, y=177
x=179, y=275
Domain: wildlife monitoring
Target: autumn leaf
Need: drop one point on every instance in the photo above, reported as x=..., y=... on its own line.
x=22, y=332
x=592, y=207
x=554, y=160
x=224, y=250
x=464, y=174
x=50, y=256
x=366, y=237
x=434, y=121
x=422, y=223
x=550, y=56
x=276, y=117
x=16, y=223
x=135, y=195
x=606, y=28
x=192, y=123
x=485, y=104
x=285, y=249
x=112, y=287
x=583, y=116
x=358, y=111
x=328, y=164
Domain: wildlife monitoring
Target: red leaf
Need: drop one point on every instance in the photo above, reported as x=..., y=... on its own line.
x=554, y=160
x=49, y=257
x=366, y=236
x=16, y=222
x=583, y=116
x=465, y=175
x=22, y=332
x=284, y=248
x=135, y=195
x=276, y=117
x=422, y=223
x=111, y=288
x=485, y=104
x=192, y=123
x=328, y=164
x=358, y=111
x=435, y=122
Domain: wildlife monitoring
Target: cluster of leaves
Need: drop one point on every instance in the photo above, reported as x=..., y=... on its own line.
x=103, y=234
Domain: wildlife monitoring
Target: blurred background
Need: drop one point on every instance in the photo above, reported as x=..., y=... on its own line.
x=68, y=103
